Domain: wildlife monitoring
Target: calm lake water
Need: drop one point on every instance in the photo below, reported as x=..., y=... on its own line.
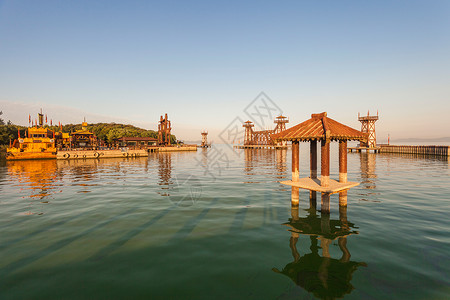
x=218, y=224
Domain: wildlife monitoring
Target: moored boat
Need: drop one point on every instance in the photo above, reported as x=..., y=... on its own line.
x=38, y=143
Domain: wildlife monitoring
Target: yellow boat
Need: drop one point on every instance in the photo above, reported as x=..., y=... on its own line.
x=39, y=143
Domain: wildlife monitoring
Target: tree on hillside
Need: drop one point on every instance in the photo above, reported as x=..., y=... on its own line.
x=9, y=131
x=110, y=131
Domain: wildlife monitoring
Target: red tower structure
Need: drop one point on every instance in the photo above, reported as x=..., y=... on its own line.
x=368, y=126
x=205, y=139
x=164, y=128
x=281, y=123
x=248, y=135
x=281, y=126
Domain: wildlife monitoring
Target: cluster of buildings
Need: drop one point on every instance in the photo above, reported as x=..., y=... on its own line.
x=41, y=142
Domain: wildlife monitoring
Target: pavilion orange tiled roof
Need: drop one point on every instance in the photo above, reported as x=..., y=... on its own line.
x=320, y=127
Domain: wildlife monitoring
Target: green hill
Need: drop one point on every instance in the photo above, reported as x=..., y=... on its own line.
x=104, y=131
x=110, y=131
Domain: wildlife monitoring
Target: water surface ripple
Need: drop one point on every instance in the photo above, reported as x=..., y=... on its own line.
x=217, y=223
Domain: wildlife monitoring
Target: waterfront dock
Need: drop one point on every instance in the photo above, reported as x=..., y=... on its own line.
x=177, y=148
x=405, y=149
x=89, y=154
x=260, y=146
x=364, y=149
x=117, y=153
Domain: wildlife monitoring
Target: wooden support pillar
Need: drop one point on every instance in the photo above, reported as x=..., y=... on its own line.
x=343, y=161
x=325, y=245
x=325, y=205
x=293, y=245
x=342, y=242
x=325, y=227
x=294, y=196
x=295, y=160
x=313, y=199
x=325, y=163
x=325, y=223
x=294, y=213
x=313, y=159
x=294, y=208
x=343, y=218
x=343, y=198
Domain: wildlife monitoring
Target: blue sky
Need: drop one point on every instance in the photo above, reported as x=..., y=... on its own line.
x=202, y=62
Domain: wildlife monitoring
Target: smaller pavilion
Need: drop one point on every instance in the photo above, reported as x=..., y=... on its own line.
x=323, y=129
x=83, y=138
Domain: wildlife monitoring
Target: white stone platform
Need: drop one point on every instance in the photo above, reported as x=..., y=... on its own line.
x=314, y=185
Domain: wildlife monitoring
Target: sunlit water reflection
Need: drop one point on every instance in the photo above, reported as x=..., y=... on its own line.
x=216, y=223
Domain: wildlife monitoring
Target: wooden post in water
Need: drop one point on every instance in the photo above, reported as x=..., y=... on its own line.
x=294, y=209
x=294, y=196
x=343, y=161
x=313, y=159
x=325, y=175
x=325, y=163
x=325, y=228
x=313, y=170
x=295, y=161
x=343, y=171
x=343, y=199
x=325, y=204
x=313, y=199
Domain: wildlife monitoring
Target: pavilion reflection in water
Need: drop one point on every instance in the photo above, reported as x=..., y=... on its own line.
x=320, y=274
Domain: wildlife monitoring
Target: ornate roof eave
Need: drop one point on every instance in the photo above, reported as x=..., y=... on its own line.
x=308, y=139
x=82, y=132
x=320, y=138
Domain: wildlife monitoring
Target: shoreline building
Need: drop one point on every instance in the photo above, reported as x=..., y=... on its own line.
x=83, y=138
x=136, y=142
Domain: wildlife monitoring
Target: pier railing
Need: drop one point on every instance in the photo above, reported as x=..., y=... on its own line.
x=425, y=150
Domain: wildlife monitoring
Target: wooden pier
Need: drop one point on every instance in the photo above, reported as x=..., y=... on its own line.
x=404, y=149
x=425, y=150
x=177, y=148
x=116, y=153
x=364, y=149
x=89, y=154
x=260, y=146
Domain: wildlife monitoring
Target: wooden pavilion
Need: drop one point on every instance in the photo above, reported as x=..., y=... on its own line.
x=83, y=139
x=321, y=129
